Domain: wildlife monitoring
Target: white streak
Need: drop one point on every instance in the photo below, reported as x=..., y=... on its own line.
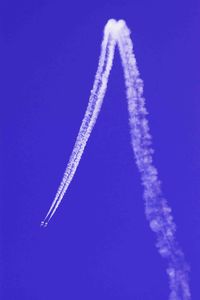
x=157, y=211
x=91, y=114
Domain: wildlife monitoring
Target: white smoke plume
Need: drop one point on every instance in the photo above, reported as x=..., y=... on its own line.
x=157, y=210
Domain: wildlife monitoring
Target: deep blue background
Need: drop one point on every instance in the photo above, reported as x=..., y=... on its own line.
x=98, y=245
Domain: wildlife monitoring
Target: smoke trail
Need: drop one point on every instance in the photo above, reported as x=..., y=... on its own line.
x=157, y=211
x=156, y=207
x=91, y=114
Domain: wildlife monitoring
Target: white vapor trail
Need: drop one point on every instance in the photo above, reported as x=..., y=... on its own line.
x=157, y=211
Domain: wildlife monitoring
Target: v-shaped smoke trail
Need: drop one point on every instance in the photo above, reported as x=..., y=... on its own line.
x=157, y=211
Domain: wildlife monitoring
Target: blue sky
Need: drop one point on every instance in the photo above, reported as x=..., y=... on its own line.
x=99, y=244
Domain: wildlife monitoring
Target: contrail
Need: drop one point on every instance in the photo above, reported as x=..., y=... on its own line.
x=157, y=211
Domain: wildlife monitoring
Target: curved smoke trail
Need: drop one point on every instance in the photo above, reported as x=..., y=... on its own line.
x=157, y=211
